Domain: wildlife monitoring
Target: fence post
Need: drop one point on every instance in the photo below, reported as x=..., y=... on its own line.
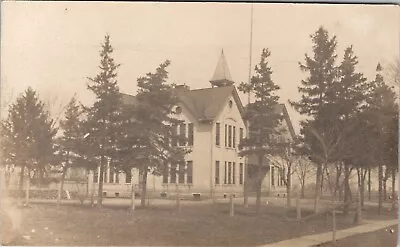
x=231, y=208
x=298, y=207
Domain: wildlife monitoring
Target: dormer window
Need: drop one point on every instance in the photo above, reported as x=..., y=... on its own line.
x=178, y=110
x=230, y=103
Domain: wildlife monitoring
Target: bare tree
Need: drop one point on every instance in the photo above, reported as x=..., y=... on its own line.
x=303, y=169
x=393, y=73
x=286, y=163
x=6, y=95
x=56, y=106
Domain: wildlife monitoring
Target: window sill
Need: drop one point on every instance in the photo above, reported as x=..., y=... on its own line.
x=232, y=148
x=174, y=185
x=226, y=185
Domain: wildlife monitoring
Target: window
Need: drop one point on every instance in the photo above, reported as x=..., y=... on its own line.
x=95, y=176
x=117, y=177
x=165, y=174
x=178, y=110
x=226, y=135
x=190, y=134
x=112, y=175
x=217, y=133
x=181, y=172
x=128, y=177
x=241, y=168
x=217, y=172
x=189, y=171
x=234, y=136
x=226, y=173
x=240, y=135
x=229, y=172
x=105, y=176
x=173, y=174
x=230, y=136
x=283, y=172
x=182, y=134
x=278, y=178
x=272, y=176
x=233, y=173
x=174, y=135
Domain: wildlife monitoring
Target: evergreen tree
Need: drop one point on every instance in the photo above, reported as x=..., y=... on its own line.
x=147, y=144
x=264, y=120
x=381, y=116
x=29, y=137
x=70, y=143
x=104, y=117
x=316, y=88
x=317, y=95
x=350, y=97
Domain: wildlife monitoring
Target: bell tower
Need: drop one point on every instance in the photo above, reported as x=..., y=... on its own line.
x=222, y=76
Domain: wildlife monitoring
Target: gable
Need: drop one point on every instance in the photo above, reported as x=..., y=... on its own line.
x=205, y=104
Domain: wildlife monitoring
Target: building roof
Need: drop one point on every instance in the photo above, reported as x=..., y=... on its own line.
x=204, y=104
x=282, y=108
x=128, y=99
x=222, y=75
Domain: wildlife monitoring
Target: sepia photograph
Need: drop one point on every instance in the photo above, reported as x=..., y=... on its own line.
x=199, y=124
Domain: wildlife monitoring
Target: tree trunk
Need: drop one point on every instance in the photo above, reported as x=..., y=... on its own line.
x=288, y=187
x=101, y=178
x=385, y=178
x=61, y=188
x=346, y=189
x=133, y=197
x=380, y=178
x=333, y=221
x=143, y=186
x=317, y=187
x=384, y=190
x=369, y=184
x=258, y=197
x=28, y=182
x=302, y=189
x=41, y=176
x=259, y=182
x=362, y=188
x=246, y=187
x=321, y=191
x=358, y=217
x=394, y=197
x=362, y=194
x=337, y=184
x=21, y=181
x=87, y=184
x=340, y=195
x=178, y=198
x=92, y=196
x=298, y=208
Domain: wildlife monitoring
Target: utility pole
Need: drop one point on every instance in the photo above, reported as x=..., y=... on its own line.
x=246, y=183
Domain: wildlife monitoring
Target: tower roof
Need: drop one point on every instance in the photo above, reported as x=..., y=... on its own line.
x=222, y=76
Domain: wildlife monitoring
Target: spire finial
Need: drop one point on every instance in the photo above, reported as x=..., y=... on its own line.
x=222, y=76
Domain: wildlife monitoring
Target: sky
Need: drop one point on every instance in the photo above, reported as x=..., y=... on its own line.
x=54, y=46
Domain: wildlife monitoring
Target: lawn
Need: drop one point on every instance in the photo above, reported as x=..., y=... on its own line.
x=383, y=238
x=194, y=225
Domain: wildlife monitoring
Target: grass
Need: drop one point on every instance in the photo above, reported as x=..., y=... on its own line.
x=380, y=238
x=194, y=225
